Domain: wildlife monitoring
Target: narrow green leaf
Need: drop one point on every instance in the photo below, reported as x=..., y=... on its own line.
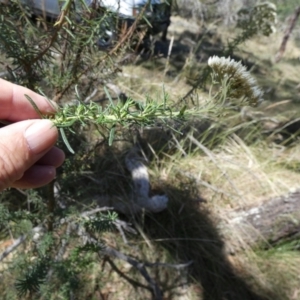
x=34, y=106
x=86, y=7
x=69, y=32
x=181, y=113
x=108, y=96
x=111, y=136
x=66, y=124
x=147, y=21
x=77, y=92
x=68, y=20
x=64, y=137
x=66, y=5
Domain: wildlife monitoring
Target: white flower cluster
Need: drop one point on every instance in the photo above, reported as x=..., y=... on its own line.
x=241, y=85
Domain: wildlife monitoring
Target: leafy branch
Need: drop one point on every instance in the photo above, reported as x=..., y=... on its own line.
x=121, y=114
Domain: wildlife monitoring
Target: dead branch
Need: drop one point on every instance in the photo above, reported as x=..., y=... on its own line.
x=87, y=238
x=141, y=267
x=127, y=278
x=13, y=247
x=111, y=252
x=292, y=22
x=96, y=210
x=20, y=240
x=136, y=283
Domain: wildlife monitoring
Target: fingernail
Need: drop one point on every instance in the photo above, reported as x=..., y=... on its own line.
x=41, y=135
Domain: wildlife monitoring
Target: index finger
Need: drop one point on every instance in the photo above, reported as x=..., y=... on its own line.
x=15, y=107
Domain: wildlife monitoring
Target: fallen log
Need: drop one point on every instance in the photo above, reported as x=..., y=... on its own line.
x=275, y=221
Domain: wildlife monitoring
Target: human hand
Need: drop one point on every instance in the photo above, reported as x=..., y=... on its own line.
x=28, y=158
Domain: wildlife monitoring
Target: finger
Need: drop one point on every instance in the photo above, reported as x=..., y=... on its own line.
x=15, y=106
x=21, y=145
x=35, y=177
x=54, y=157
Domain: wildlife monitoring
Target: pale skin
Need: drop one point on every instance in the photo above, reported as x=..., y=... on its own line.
x=28, y=157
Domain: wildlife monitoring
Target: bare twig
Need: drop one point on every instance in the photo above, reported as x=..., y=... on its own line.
x=130, y=280
x=122, y=234
x=96, y=210
x=287, y=34
x=21, y=239
x=14, y=246
x=167, y=65
x=139, y=266
x=130, y=32
x=111, y=252
x=88, y=98
x=172, y=266
x=126, y=226
x=178, y=146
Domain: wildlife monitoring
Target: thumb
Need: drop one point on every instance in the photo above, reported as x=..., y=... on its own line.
x=22, y=144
